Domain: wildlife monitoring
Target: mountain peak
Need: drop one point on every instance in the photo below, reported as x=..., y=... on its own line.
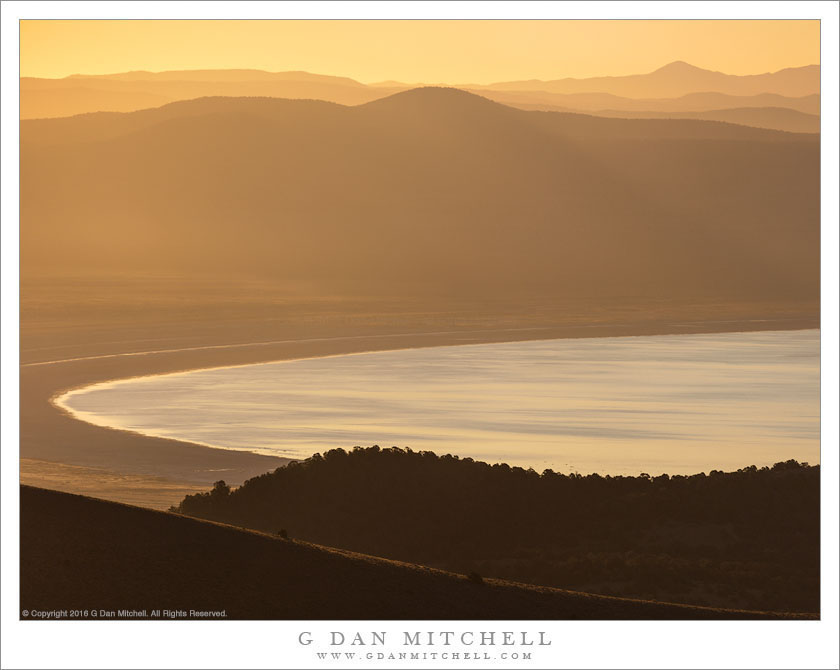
x=679, y=66
x=431, y=97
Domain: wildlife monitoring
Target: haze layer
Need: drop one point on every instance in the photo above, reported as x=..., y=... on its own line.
x=429, y=191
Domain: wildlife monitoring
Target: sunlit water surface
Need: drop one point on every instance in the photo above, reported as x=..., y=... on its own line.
x=619, y=405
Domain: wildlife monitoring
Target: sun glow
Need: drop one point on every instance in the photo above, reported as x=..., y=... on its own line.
x=456, y=52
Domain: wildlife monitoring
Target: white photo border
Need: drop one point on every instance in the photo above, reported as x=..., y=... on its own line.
x=274, y=644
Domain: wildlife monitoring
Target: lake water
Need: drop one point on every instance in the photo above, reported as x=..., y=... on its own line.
x=618, y=405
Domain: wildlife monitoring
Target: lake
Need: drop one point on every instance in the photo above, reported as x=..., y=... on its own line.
x=679, y=404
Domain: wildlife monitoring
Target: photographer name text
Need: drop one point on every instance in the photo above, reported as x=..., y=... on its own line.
x=427, y=639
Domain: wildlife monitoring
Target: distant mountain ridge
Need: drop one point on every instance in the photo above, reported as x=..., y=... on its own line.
x=772, y=118
x=219, y=75
x=431, y=191
x=775, y=118
x=52, y=98
x=690, y=102
x=130, y=91
x=415, y=103
x=680, y=78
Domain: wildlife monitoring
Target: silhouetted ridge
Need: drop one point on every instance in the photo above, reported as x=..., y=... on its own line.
x=436, y=98
x=99, y=126
x=433, y=190
x=680, y=66
x=83, y=553
x=127, y=91
x=221, y=75
x=750, y=537
x=679, y=78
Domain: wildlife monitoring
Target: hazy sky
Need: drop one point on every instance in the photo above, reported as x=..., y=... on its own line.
x=419, y=50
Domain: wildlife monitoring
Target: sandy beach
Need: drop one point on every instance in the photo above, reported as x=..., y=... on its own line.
x=63, y=352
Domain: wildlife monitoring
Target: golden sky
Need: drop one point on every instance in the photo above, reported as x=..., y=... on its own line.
x=411, y=51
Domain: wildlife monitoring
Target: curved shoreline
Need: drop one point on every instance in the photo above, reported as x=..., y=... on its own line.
x=60, y=393
x=49, y=434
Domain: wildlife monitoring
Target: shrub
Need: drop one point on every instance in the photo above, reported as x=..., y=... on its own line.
x=475, y=578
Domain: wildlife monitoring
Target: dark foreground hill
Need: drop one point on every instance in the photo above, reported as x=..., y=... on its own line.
x=82, y=553
x=747, y=539
x=433, y=192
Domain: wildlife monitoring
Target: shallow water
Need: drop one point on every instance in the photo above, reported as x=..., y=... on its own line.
x=619, y=405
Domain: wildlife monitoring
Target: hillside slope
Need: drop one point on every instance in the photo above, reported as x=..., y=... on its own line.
x=430, y=191
x=84, y=553
x=747, y=539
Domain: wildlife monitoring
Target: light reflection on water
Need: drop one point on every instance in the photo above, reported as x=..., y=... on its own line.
x=620, y=405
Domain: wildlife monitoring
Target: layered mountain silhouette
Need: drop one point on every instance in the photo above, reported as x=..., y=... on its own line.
x=680, y=78
x=432, y=191
x=691, y=102
x=675, y=87
x=130, y=91
x=774, y=118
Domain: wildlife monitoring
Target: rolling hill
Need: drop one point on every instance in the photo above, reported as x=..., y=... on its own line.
x=430, y=191
x=83, y=553
x=747, y=539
